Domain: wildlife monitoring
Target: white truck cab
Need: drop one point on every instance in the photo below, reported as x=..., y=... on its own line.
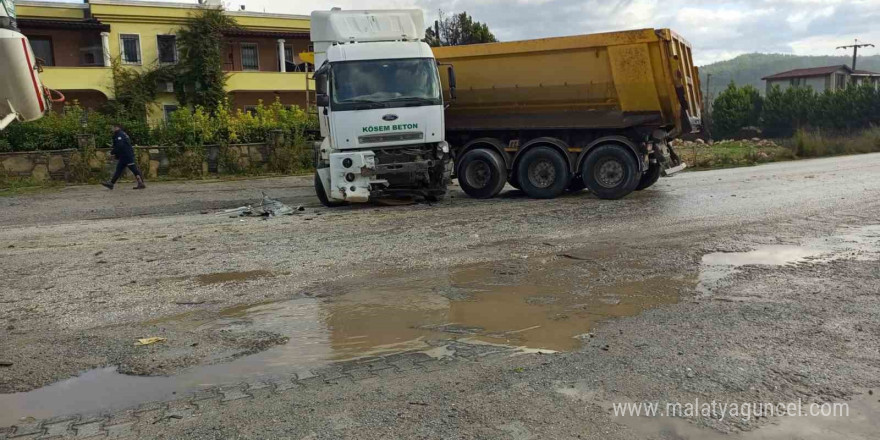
x=380, y=107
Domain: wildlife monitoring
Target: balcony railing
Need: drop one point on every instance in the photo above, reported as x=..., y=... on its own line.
x=79, y=78
x=268, y=81
x=101, y=79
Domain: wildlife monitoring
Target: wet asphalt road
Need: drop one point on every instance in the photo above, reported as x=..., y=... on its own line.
x=85, y=264
x=736, y=194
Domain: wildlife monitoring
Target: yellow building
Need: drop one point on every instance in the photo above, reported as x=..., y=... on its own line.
x=78, y=41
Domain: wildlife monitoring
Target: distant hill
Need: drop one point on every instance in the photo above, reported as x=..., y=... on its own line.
x=750, y=68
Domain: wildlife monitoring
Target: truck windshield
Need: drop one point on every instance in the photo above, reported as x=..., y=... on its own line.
x=359, y=85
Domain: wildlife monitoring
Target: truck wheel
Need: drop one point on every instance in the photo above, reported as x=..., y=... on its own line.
x=610, y=172
x=481, y=173
x=650, y=177
x=543, y=173
x=322, y=195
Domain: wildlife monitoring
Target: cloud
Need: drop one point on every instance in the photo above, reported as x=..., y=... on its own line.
x=718, y=29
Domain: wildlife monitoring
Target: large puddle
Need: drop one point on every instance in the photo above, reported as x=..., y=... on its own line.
x=859, y=243
x=544, y=305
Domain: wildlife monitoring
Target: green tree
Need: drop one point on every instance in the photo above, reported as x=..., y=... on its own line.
x=458, y=30
x=200, y=79
x=735, y=108
x=787, y=111
x=134, y=90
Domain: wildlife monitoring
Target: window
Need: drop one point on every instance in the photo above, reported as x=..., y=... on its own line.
x=797, y=82
x=839, y=81
x=42, y=47
x=251, y=109
x=167, y=48
x=168, y=109
x=289, y=66
x=250, y=58
x=131, y=48
x=369, y=84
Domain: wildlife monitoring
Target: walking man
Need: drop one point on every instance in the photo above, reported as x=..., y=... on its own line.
x=124, y=153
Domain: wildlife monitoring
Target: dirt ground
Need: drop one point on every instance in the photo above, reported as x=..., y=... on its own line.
x=744, y=285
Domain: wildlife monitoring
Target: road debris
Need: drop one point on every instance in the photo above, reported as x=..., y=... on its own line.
x=241, y=211
x=273, y=208
x=573, y=257
x=268, y=207
x=149, y=341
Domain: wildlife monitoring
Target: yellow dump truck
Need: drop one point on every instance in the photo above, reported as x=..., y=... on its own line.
x=556, y=114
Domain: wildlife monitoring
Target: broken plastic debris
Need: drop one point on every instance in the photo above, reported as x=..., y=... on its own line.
x=148, y=341
x=268, y=207
x=274, y=208
x=238, y=212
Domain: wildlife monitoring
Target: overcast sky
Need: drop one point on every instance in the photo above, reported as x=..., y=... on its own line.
x=718, y=30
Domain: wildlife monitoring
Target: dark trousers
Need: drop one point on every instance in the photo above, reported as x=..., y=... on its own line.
x=120, y=168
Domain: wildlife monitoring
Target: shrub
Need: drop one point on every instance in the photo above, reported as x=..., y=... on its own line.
x=735, y=108
x=783, y=112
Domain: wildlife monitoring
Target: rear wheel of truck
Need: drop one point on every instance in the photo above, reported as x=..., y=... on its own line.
x=481, y=173
x=543, y=173
x=610, y=172
x=650, y=177
x=322, y=195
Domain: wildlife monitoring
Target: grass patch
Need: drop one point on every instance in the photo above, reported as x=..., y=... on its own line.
x=730, y=154
x=818, y=144
x=16, y=187
x=804, y=144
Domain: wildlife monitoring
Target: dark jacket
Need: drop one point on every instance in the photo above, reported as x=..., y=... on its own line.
x=122, y=148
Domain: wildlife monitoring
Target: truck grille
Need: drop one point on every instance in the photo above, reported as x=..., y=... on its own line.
x=391, y=137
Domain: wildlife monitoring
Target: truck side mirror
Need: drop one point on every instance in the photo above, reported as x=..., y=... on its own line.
x=452, y=87
x=322, y=100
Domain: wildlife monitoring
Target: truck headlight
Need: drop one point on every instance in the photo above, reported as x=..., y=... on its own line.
x=442, y=149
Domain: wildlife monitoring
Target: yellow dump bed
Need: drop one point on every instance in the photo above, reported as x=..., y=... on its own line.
x=616, y=80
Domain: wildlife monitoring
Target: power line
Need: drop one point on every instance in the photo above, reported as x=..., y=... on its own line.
x=855, y=48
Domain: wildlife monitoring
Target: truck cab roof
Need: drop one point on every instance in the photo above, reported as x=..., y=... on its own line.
x=379, y=51
x=338, y=26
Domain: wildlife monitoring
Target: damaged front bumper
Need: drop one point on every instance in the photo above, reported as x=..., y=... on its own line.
x=358, y=176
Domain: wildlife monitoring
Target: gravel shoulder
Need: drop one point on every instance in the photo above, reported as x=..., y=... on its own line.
x=89, y=272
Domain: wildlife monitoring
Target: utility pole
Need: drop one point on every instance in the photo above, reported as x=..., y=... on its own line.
x=855, y=47
x=708, y=93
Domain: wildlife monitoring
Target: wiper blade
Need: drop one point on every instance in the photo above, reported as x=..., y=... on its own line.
x=359, y=100
x=368, y=102
x=412, y=98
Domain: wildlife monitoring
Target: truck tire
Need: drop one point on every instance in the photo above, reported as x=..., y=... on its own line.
x=650, y=177
x=543, y=173
x=481, y=173
x=322, y=195
x=610, y=172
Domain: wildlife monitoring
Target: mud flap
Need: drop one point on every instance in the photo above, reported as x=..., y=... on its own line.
x=674, y=170
x=673, y=165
